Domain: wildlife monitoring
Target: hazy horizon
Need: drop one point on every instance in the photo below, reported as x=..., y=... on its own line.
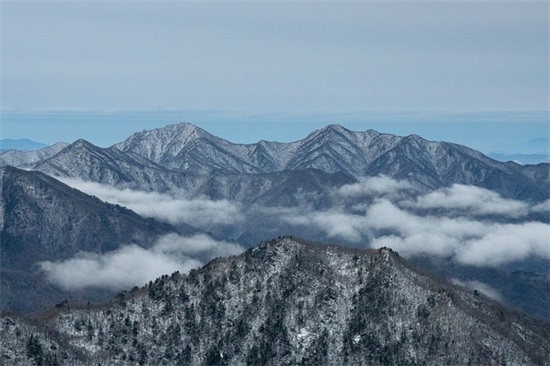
x=470, y=129
x=473, y=73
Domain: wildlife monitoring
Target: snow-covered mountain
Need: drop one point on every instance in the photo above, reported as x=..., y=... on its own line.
x=185, y=147
x=285, y=302
x=189, y=148
x=84, y=160
x=27, y=158
x=185, y=157
x=275, y=188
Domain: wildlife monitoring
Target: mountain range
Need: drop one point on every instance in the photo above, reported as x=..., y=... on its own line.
x=285, y=302
x=26, y=158
x=521, y=158
x=183, y=160
x=176, y=197
x=185, y=157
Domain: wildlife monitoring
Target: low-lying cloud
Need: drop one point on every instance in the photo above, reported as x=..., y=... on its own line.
x=542, y=207
x=460, y=229
x=506, y=243
x=200, y=212
x=481, y=287
x=375, y=186
x=132, y=265
x=472, y=225
x=478, y=201
x=334, y=223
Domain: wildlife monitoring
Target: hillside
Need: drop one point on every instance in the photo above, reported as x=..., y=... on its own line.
x=42, y=219
x=286, y=302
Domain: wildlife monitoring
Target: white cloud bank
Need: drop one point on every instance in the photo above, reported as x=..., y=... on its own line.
x=542, y=207
x=385, y=215
x=132, y=265
x=199, y=212
x=456, y=231
x=375, y=186
x=478, y=201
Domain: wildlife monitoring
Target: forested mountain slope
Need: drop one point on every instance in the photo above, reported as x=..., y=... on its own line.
x=286, y=302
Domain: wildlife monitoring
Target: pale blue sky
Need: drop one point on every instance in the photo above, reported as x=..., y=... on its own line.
x=306, y=63
x=481, y=131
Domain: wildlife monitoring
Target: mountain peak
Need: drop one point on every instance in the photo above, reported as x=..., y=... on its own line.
x=329, y=129
x=297, y=302
x=184, y=130
x=336, y=127
x=169, y=145
x=81, y=143
x=415, y=137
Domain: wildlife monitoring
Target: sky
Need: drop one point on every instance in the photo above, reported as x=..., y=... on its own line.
x=472, y=72
x=248, y=71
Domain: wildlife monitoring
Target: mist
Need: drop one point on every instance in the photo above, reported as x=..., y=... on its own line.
x=469, y=224
x=199, y=212
x=132, y=265
x=489, y=291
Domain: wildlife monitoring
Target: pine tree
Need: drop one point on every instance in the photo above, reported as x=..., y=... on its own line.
x=34, y=350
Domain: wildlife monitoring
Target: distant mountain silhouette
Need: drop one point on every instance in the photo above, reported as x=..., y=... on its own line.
x=20, y=144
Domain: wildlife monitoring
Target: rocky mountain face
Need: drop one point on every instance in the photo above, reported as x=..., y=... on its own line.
x=285, y=302
x=42, y=219
x=185, y=157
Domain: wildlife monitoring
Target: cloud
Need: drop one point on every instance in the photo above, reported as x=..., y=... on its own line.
x=385, y=215
x=468, y=241
x=478, y=201
x=200, y=245
x=335, y=224
x=465, y=239
x=507, y=243
x=542, y=207
x=199, y=212
x=374, y=186
x=411, y=234
x=444, y=223
x=132, y=265
x=480, y=286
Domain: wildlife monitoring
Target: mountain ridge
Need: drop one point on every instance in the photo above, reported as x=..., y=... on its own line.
x=287, y=302
x=42, y=219
x=183, y=156
x=296, y=187
x=25, y=159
